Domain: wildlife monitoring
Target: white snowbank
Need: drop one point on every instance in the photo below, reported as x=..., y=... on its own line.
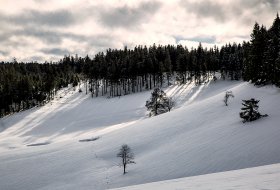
x=262, y=177
x=258, y=178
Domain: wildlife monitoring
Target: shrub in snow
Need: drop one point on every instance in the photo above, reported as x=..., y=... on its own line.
x=250, y=110
x=214, y=78
x=126, y=155
x=170, y=104
x=227, y=96
x=159, y=102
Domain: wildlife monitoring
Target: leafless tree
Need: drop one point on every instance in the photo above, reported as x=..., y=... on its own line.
x=227, y=95
x=126, y=155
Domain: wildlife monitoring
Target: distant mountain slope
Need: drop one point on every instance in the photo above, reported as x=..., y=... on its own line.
x=200, y=136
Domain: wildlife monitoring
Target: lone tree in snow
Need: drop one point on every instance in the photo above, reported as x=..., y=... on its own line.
x=227, y=96
x=250, y=110
x=126, y=155
x=159, y=102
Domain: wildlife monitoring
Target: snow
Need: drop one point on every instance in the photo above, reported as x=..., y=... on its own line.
x=41, y=149
x=258, y=178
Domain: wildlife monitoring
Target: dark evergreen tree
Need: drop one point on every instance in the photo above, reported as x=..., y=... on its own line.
x=271, y=51
x=159, y=103
x=277, y=71
x=250, y=110
x=168, y=67
x=255, y=55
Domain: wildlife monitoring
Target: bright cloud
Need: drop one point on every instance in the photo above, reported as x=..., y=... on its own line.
x=39, y=30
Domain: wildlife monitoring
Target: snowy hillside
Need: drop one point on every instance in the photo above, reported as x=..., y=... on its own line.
x=40, y=148
x=262, y=177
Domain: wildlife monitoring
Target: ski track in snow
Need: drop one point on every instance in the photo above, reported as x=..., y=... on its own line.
x=199, y=136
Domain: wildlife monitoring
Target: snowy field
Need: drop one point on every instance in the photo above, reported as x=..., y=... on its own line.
x=258, y=178
x=72, y=142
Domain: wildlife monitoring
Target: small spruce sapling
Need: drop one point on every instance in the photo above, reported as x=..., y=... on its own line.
x=250, y=110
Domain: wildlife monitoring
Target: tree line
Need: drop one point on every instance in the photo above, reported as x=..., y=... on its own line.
x=263, y=64
x=25, y=85
x=118, y=72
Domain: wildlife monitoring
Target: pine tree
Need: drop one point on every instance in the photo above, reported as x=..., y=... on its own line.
x=169, y=103
x=277, y=70
x=250, y=110
x=256, y=67
x=272, y=51
x=168, y=67
x=159, y=103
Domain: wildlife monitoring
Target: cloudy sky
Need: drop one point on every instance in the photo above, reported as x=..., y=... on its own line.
x=39, y=30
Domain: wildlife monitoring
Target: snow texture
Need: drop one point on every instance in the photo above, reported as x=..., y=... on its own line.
x=200, y=136
x=258, y=178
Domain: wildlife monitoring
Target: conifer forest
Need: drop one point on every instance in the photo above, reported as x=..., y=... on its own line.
x=118, y=72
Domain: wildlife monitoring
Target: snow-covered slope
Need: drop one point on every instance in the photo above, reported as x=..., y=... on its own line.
x=259, y=178
x=200, y=136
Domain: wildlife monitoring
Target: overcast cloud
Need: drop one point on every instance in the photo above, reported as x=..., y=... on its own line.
x=40, y=30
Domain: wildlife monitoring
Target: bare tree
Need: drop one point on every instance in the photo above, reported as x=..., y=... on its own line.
x=227, y=95
x=127, y=156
